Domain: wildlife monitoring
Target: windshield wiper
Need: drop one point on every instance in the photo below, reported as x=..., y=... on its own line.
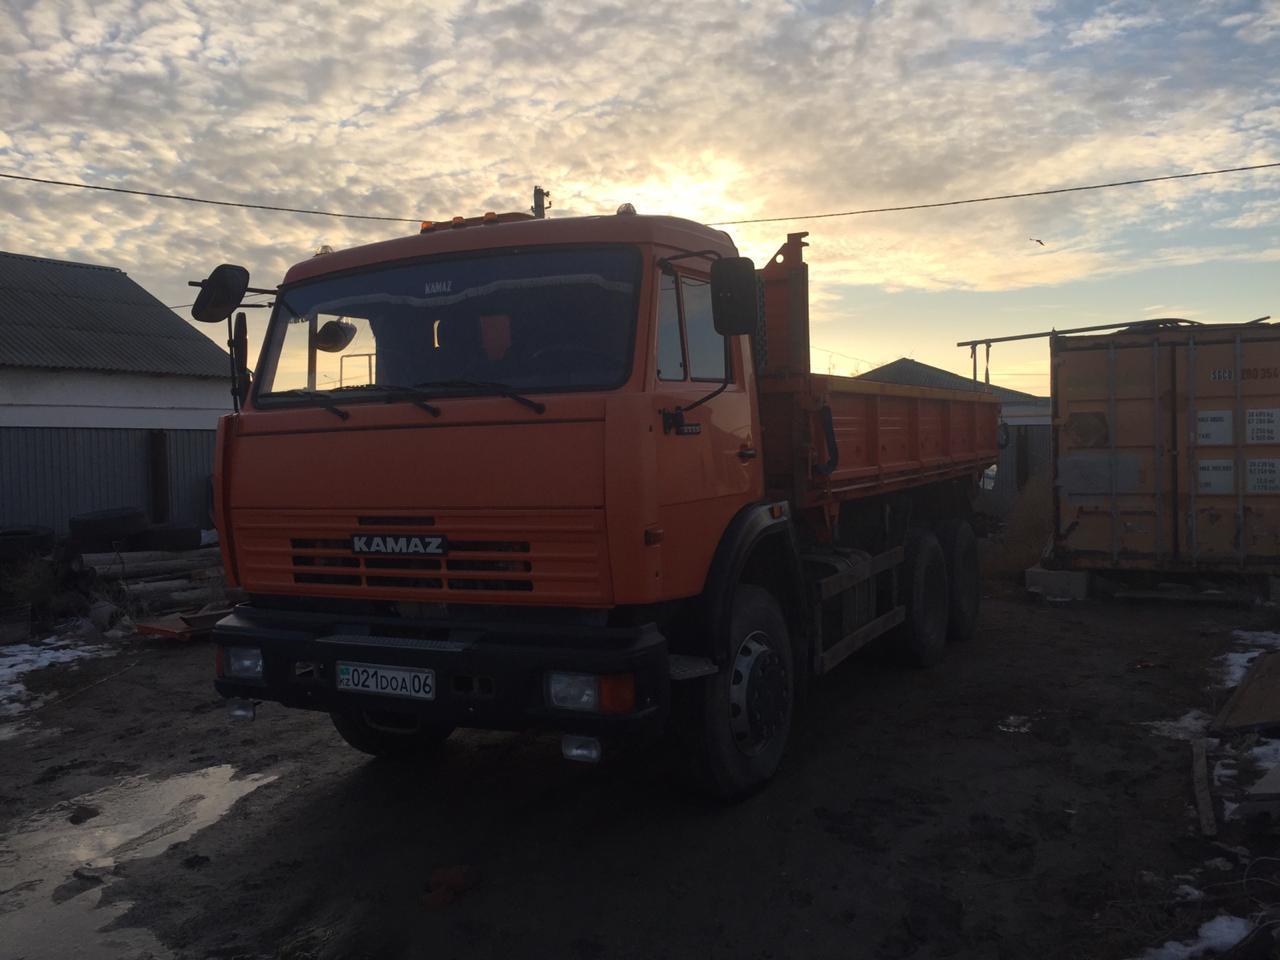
x=490, y=386
x=395, y=391
x=320, y=399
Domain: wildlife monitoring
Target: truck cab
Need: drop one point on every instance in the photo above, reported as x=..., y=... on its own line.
x=508, y=473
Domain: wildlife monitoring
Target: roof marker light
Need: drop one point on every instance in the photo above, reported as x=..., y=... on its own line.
x=427, y=225
x=627, y=209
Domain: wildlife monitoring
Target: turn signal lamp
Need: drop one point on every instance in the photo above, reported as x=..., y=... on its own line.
x=588, y=693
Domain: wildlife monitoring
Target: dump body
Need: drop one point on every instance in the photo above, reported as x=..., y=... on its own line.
x=829, y=439
x=1166, y=450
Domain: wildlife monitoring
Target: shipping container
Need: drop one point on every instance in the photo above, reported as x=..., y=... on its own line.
x=1166, y=448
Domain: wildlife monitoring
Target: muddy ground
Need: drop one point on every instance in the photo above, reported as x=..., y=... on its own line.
x=1007, y=803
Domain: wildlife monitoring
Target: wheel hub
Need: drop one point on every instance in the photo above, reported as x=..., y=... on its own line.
x=759, y=699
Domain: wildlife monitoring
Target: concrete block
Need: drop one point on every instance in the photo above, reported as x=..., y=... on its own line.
x=1058, y=584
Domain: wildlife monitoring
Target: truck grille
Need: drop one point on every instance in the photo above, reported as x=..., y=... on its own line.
x=554, y=557
x=409, y=571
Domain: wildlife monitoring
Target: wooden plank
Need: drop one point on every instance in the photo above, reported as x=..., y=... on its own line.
x=117, y=570
x=1255, y=703
x=861, y=637
x=148, y=556
x=1200, y=783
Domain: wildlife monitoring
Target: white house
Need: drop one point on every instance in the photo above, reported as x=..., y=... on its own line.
x=107, y=397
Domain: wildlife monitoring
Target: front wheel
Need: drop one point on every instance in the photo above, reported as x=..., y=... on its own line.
x=741, y=717
x=397, y=738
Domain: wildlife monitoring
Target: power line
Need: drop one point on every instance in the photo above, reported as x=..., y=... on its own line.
x=721, y=223
x=846, y=356
x=1003, y=196
x=216, y=203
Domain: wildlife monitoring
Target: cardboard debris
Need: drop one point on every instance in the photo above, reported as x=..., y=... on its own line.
x=183, y=626
x=1255, y=704
x=1263, y=798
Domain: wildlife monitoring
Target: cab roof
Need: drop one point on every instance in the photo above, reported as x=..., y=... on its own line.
x=672, y=232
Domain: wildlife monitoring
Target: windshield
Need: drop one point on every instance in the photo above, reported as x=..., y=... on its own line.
x=536, y=320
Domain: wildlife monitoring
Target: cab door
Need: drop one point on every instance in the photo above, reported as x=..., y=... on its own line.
x=709, y=467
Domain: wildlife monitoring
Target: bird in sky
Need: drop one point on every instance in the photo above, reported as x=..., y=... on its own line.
x=1034, y=240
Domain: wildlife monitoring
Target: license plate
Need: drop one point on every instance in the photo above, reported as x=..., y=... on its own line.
x=388, y=681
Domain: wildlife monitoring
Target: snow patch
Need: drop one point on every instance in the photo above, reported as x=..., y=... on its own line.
x=1219, y=934
x=1015, y=724
x=1264, y=754
x=1257, y=639
x=1233, y=666
x=1189, y=726
x=1186, y=893
x=19, y=659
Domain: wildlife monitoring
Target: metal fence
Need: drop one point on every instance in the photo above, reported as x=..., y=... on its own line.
x=1027, y=454
x=49, y=474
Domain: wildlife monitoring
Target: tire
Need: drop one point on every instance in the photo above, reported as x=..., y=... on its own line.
x=741, y=717
x=964, y=579
x=108, y=526
x=169, y=537
x=381, y=741
x=17, y=543
x=926, y=599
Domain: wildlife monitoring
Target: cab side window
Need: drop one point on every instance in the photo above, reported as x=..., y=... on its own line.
x=671, y=364
x=707, y=351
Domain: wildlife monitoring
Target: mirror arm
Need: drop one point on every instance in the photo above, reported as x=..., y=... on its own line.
x=200, y=284
x=667, y=261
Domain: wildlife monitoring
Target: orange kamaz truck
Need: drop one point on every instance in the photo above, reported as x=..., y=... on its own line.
x=575, y=474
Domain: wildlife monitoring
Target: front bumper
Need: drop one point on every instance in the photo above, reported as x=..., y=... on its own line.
x=488, y=674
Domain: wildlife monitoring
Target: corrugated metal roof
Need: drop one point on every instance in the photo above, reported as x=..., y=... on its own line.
x=59, y=315
x=916, y=374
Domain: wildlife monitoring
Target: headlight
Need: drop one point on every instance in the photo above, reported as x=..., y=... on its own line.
x=242, y=663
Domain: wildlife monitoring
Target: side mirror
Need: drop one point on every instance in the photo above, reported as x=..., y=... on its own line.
x=220, y=293
x=734, y=306
x=335, y=336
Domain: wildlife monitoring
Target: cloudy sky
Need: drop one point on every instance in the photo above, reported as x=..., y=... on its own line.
x=710, y=110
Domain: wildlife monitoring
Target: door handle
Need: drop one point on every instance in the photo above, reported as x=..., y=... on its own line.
x=747, y=453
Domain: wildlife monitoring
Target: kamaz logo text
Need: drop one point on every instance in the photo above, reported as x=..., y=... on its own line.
x=439, y=286
x=395, y=544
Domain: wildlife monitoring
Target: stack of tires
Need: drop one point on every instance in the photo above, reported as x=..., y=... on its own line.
x=19, y=543
x=102, y=531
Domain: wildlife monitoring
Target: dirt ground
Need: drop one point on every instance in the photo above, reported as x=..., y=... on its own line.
x=1008, y=803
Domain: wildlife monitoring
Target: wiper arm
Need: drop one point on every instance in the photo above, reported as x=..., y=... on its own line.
x=320, y=399
x=501, y=389
x=395, y=391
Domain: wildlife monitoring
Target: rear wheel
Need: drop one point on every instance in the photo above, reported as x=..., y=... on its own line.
x=926, y=599
x=742, y=715
x=960, y=547
x=390, y=736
